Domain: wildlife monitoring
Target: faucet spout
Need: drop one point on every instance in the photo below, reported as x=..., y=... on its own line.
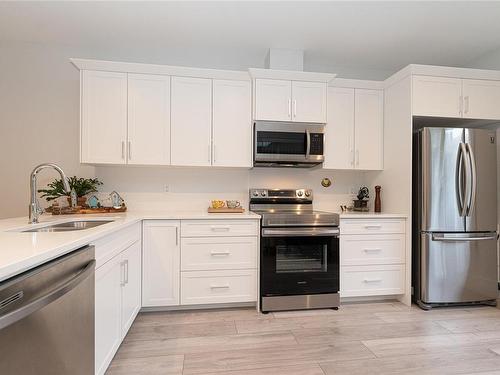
x=34, y=209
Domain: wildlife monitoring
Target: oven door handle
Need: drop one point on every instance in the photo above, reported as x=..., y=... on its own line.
x=300, y=232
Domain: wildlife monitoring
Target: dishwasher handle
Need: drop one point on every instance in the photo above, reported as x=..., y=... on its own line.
x=35, y=305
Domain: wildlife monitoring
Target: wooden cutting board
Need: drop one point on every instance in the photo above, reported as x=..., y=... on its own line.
x=225, y=210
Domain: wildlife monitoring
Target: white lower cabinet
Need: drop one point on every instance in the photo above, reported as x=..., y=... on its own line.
x=228, y=286
x=372, y=257
x=190, y=262
x=161, y=263
x=117, y=300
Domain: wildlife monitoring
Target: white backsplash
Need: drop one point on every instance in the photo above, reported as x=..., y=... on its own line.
x=144, y=188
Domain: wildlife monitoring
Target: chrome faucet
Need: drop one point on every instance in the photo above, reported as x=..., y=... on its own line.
x=35, y=210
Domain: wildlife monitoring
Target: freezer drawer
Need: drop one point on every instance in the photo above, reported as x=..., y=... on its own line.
x=458, y=267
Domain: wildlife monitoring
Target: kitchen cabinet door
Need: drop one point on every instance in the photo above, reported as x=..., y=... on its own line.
x=161, y=263
x=103, y=117
x=481, y=99
x=232, y=123
x=309, y=101
x=437, y=96
x=131, y=285
x=191, y=121
x=339, y=131
x=368, y=129
x=108, y=333
x=148, y=119
x=273, y=100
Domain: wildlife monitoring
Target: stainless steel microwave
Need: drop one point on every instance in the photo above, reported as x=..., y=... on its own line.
x=288, y=144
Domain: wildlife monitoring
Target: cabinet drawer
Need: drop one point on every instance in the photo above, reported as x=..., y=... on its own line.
x=111, y=245
x=366, y=226
x=373, y=249
x=359, y=281
x=218, y=253
x=206, y=287
x=218, y=228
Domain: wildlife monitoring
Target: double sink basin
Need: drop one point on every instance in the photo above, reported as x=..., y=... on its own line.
x=68, y=226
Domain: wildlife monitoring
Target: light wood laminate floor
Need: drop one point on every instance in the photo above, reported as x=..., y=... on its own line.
x=367, y=338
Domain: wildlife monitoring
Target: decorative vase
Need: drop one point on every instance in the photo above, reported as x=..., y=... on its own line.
x=378, y=206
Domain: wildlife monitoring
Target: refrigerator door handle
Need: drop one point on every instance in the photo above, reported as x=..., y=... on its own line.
x=461, y=165
x=473, y=180
x=452, y=237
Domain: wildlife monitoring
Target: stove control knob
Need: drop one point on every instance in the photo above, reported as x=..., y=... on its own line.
x=263, y=193
x=300, y=193
x=255, y=194
x=308, y=193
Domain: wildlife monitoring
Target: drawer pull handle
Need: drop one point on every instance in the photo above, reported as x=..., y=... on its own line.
x=372, y=250
x=219, y=286
x=220, y=229
x=373, y=226
x=372, y=280
x=215, y=253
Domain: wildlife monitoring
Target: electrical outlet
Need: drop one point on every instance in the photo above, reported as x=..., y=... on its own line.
x=166, y=188
x=354, y=190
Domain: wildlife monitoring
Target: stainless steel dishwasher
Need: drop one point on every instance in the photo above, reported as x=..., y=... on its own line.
x=47, y=318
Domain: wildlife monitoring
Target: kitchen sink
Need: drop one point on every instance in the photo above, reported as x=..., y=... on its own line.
x=69, y=226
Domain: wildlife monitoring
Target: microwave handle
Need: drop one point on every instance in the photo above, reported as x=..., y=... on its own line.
x=308, y=144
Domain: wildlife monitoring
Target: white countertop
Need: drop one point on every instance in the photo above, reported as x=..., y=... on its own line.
x=371, y=215
x=21, y=251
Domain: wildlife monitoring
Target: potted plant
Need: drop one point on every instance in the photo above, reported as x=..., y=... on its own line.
x=81, y=186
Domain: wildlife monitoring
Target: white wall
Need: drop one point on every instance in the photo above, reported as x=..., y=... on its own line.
x=39, y=114
x=193, y=188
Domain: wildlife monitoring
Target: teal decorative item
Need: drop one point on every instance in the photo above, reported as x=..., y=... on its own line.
x=93, y=202
x=116, y=200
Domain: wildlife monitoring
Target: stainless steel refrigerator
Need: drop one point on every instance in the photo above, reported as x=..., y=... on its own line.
x=455, y=217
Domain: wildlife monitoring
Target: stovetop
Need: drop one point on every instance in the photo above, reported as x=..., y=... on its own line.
x=289, y=208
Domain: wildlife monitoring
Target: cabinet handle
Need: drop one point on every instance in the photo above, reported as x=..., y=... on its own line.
x=215, y=253
x=122, y=273
x=129, y=150
x=372, y=280
x=357, y=158
x=372, y=250
x=219, y=286
x=295, y=108
x=466, y=104
x=219, y=229
x=460, y=104
x=126, y=271
x=209, y=153
x=373, y=226
x=215, y=153
x=123, y=149
x=176, y=236
x=289, y=108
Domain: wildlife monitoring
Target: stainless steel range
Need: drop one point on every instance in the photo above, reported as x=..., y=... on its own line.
x=299, y=251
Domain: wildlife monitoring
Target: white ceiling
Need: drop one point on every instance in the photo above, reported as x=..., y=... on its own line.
x=373, y=35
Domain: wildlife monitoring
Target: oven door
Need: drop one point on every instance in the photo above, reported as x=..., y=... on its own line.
x=288, y=143
x=297, y=261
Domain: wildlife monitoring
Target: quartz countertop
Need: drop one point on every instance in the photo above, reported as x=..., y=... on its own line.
x=371, y=215
x=21, y=251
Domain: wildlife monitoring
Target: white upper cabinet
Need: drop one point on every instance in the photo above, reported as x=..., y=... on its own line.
x=368, y=129
x=283, y=100
x=232, y=123
x=355, y=128
x=437, y=96
x=456, y=98
x=191, y=121
x=309, y=101
x=103, y=117
x=273, y=100
x=481, y=99
x=339, y=131
x=148, y=119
